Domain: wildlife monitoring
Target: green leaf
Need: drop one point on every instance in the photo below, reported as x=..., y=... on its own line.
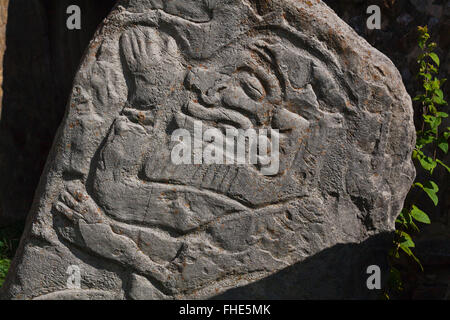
x=416, y=260
x=446, y=135
x=408, y=251
x=418, y=184
x=443, y=145
x=434, y=122
x=433, y=69
x=432, y=108
x=439, y=100
x=421, y=44
x=436, y=84
x=419, y=215
x=435, y=58
x=414, y=227
x=432, y=189
x=401, y=218
x=427, y=163
x=406, y=240
x=407, y=244
x=425, y=139
x=443, y=164
x=4, y=266
x=427, y=76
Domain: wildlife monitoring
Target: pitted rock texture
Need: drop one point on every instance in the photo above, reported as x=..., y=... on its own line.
x=112, y=202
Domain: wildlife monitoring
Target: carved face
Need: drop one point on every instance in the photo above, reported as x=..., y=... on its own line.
x=244, y=92
x=240, y=88
x=238, y=100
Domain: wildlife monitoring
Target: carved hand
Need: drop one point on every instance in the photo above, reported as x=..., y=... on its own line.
x=75, y=204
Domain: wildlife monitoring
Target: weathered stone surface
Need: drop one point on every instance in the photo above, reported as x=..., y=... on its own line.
x=112, y=202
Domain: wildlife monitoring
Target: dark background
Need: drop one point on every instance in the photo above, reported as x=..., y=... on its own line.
x=39, y=65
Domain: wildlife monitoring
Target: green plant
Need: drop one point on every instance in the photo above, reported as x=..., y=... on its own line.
x=4, y=267
x=9, y=241
x=429, y=139
x=4, y=261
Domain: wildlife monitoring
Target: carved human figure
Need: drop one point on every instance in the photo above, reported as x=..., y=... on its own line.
x=163, y=203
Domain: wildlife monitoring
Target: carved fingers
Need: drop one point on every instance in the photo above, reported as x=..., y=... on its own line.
x=75, y=205
x=134, y=48
x=220, y=115
x=144, y=48
x=105, y=81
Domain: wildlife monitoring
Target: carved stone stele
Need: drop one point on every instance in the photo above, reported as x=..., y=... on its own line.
x=113, y=203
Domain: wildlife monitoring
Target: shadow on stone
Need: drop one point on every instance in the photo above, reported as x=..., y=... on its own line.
x=338, y=272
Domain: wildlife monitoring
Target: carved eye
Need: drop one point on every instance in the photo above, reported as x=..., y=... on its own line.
x=253, y=87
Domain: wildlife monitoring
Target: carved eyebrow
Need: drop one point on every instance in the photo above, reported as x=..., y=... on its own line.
x=267, y=69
